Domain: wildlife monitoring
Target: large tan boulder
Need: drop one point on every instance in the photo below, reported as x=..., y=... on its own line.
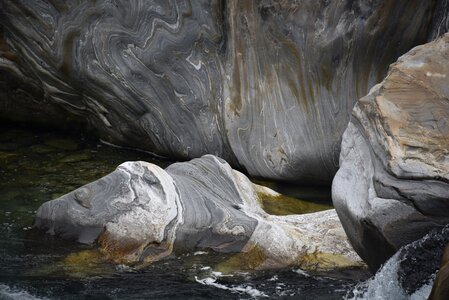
x=393, y=182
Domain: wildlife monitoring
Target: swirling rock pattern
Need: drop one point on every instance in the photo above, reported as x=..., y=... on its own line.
x=142, y=213
x=267, y=85
x=143, y=73
x=392, y=187
x=297, y=68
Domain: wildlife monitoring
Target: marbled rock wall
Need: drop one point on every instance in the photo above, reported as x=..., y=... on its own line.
x=393, y=182
x=142, y=213
x=296, y=70
x=440, y=20
x=266, y=85
x=145, y=74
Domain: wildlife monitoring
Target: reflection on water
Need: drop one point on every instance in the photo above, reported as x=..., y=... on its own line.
x=36, y=167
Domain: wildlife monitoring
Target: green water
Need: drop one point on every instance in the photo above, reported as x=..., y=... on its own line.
x=38, y=166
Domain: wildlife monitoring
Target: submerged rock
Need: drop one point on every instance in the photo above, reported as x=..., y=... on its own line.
x=142, y=213
x=392, y=186
x=267, y=85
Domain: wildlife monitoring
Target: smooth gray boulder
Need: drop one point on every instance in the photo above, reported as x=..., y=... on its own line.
x=266, y=85
x=393, y=183
x=141, y=213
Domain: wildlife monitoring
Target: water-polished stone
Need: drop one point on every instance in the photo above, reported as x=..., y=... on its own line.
x=267, y=85
x=392, y=186
x=142, y=213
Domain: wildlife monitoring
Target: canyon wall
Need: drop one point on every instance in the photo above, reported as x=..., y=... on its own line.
x=266, y=85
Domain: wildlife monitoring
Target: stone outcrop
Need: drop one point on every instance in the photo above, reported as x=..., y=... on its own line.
x=267, y=85
x=142, y=213
x=393, y=182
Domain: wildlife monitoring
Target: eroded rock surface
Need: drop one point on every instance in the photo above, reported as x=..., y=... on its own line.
x=266, y=85
x=142, y=213
x=393, y=182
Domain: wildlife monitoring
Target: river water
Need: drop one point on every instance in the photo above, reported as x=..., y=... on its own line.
x=37, y=166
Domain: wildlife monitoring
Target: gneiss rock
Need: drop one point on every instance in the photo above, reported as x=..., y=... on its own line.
x=142, y=213
x=393, y=182
x=266, y=85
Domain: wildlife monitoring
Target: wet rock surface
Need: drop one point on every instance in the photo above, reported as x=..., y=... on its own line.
x=142, y=213
x=392, y=186
x=266, y=85
x=410, y=273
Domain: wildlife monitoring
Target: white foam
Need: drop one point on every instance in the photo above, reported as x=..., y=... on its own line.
x=385, y=285
x=220, y=274
x=274, y=278
x=301, y=272
x=9, y=293
x=243, y=289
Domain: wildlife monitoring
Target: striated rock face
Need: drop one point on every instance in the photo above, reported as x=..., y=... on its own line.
x=144, y=74
x=267, y=85
x=296, y=70
x=142, y=213
x=392, y=186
